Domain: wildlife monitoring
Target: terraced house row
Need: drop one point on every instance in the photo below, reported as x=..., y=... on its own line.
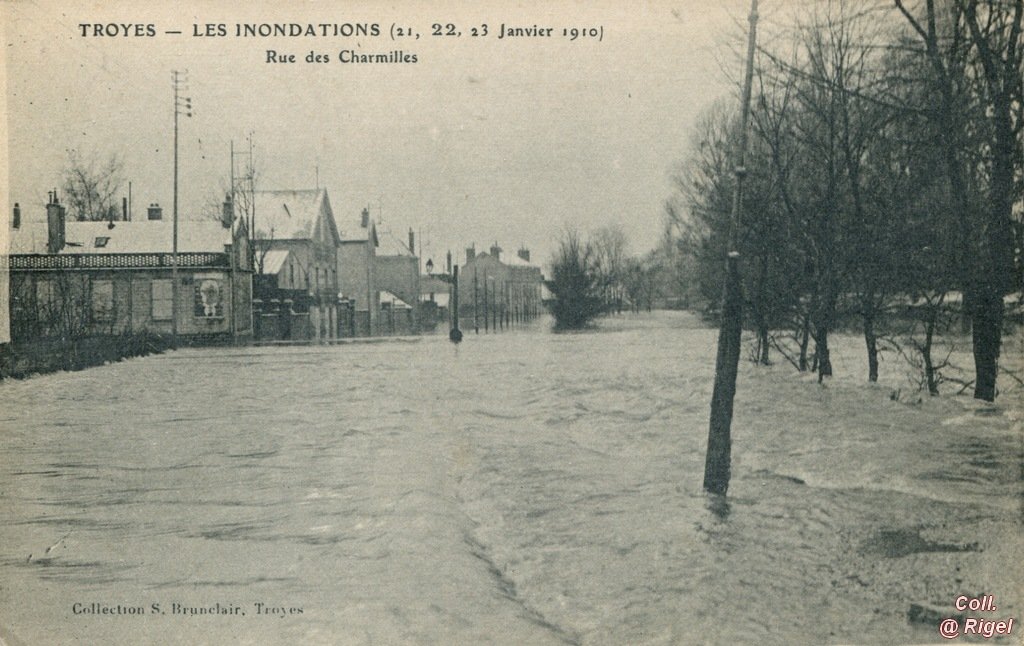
x=281, y=269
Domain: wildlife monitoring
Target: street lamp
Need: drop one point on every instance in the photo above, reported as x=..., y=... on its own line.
x=430, y=267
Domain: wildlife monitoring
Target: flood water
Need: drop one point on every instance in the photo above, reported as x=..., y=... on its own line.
x=521, y=488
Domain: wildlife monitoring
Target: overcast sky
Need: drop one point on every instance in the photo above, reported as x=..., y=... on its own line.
x=481, y=140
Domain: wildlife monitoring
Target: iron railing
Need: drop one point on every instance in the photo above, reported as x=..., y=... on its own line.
x=191, y=260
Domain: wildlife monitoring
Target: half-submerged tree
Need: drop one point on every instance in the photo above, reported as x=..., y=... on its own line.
x=575, y=283
x=973, y=52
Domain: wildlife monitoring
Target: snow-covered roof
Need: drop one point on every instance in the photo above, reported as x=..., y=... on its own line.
x=388, y=297
x=274, y=260
x=28, y=238
x=516, y=261
x=290, y=215
x=135, y=236
x=352, y=229
x=391, y=245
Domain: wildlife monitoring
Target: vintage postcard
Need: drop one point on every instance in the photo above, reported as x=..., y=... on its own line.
x=669, y=322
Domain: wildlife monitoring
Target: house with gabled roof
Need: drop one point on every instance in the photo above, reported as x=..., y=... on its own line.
x=296, y=244
x=397, y=273
x=356, y=261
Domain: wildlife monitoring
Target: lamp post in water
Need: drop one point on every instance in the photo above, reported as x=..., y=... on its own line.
x=455, y=335
x=717, y=462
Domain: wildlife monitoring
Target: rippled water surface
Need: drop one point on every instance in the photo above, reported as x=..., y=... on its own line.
x=522, y=488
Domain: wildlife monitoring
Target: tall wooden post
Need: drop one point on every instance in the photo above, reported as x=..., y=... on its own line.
x=476, y=317
x=455, y=335
x=487, y=321
x=717, y=464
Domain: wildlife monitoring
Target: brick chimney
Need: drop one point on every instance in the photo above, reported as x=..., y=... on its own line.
x=155, y=212
x=16, y=223
x=524, y=254
x=365, y=221
x=412, y=242
x=470, y=253
x=496, y=251
x=55, y=216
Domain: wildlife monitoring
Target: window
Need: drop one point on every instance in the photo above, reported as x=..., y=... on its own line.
x=102, y=300
x=160, y=291
x=101, y=241
x=209, y=298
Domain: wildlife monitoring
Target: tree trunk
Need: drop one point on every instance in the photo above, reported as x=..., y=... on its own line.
x=1002, y=76
x=987, y=335
x=761, y=310
x=805, y=337
x=821, y=351
x=824, y=315
x=926, y=353
x=872, y=344
x=762, y=336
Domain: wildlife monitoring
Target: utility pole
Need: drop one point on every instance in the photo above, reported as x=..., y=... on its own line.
x=455, y=335
x=717, y=464
x=245, y=185
x=182, y=105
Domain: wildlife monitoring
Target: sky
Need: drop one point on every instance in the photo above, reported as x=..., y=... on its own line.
x=482, y=140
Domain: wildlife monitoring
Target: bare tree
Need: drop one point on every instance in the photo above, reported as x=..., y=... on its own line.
x=91, y=186
x=974, y=51
x=610, y=246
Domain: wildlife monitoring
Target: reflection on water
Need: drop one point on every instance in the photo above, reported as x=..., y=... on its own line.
x=525, y=487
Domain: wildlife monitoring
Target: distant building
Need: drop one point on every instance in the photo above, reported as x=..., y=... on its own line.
x=84, y=278
x=502, y=288
x=296, y=246
x=356, y=262
x=397, y=272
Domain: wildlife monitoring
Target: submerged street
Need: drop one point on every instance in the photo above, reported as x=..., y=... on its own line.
x=519, y=488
